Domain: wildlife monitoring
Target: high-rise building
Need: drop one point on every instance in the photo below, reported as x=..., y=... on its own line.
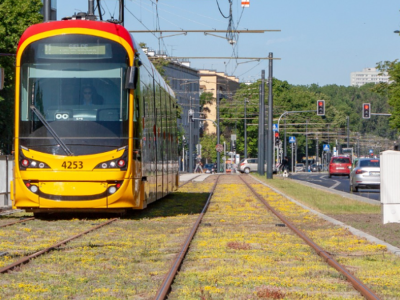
x=368, y=75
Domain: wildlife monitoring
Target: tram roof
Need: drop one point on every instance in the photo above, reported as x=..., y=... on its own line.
x=84, y=24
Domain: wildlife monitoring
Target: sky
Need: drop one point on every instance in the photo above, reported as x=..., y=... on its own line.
x=321, y=41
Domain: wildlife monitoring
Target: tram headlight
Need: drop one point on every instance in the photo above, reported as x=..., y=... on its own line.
x=34, y=188
x=116, y=162
x=30, y=163
x=112, y=190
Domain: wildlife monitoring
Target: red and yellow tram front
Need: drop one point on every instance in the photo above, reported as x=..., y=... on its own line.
x=72, y=119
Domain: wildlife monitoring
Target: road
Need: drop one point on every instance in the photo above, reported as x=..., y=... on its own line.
x=338, y=183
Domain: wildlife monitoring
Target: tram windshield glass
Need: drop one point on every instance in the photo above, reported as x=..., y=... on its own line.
x=76, y=83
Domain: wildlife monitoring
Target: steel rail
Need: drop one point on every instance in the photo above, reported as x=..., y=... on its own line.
x=357, y=284
x=16, y=222
x=168, y=279
x=26, y=259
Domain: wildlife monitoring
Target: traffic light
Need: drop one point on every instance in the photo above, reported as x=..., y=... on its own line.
x=366, y=111
x=276, y=138
x=320, y=107
x=234, y=146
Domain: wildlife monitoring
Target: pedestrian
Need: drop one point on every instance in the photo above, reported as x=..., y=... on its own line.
x=285, y=164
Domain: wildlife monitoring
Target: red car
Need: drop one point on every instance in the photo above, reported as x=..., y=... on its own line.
x=340, y=166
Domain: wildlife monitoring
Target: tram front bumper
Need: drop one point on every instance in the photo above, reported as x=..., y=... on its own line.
x=50, y=194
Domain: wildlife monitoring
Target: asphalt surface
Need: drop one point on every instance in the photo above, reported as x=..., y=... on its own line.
x=337, y=183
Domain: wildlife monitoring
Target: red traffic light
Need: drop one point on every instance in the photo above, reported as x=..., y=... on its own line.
x=366, y=114
x=276, y=134
x=320, y=107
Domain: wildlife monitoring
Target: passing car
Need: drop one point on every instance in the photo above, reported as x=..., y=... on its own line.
x=316, y=168
x=300, y=168
x=248, y=165
x=340, y=166
x=209, y=168
x=366, y=174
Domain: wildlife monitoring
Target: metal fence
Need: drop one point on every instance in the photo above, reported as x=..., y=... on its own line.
x=6, y=174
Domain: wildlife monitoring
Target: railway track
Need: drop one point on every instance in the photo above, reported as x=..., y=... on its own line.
x=329, y=259
x=26, y=259
x=166, y=286
x=22, y=220
x=169, y=278
x=180, y=235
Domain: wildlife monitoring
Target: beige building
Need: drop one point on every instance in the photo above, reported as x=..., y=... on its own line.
x=221, y=86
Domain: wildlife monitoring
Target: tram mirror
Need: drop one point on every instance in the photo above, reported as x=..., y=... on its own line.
x=131, y=78
x=1, y=78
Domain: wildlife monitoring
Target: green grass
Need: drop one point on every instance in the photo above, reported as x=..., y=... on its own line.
x=325, y=202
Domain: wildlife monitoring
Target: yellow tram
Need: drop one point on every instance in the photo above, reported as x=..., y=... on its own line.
x=95, y=123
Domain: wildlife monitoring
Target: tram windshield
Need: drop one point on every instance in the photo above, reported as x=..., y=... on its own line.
x=76, y=83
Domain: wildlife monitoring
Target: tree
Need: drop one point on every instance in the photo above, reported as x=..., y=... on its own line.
x=391, y=89
x=15, y=17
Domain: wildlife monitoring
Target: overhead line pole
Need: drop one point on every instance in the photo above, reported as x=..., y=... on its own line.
x=270, y=143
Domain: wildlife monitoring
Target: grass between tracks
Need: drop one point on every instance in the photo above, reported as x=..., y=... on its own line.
x=124, y=260
x=241, y=253
x=360, y=215
x=325, y=202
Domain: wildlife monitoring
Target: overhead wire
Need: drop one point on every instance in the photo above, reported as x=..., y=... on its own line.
x=231, y=34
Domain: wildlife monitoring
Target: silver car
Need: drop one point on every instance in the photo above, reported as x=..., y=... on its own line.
x=300, y=168
x=366, y=174
x=248, y=165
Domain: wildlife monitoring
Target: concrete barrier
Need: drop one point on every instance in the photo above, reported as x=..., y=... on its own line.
x=6, y=175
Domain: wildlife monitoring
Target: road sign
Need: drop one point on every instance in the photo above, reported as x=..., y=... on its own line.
x=233, y=137
x=326, y=147
x=198, y=149
x=219, y=148
x=292, y=139
x=275, y=127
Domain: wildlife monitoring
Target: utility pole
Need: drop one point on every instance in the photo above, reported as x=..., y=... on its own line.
x=46, y=10
x=190, y=169
x=245, y=127
x=348, y=131
x=261, y=126
x=317, y=151
x=307, y=145
x=284, y=141
x=270, y=144
x=218, y=132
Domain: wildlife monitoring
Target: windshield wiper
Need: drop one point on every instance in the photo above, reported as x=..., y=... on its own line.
x=52, y=132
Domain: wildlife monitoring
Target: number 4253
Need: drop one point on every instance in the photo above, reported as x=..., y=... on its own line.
x=72, y=165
